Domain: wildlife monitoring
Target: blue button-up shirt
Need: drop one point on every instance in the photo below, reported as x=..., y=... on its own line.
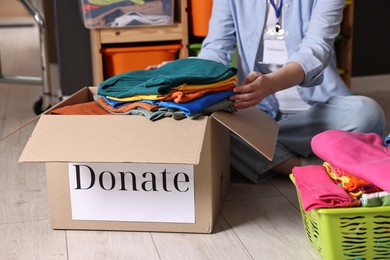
x=312, y=27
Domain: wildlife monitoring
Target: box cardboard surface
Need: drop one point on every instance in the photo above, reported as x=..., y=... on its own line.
x=105, y=140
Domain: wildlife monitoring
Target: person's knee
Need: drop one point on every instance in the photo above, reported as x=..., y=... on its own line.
x=369, y=115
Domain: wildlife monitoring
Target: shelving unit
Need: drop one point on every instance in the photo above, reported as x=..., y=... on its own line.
x=177, y=32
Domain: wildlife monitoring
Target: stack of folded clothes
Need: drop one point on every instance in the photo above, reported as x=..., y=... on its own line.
x=184, y=88
x=356, y=171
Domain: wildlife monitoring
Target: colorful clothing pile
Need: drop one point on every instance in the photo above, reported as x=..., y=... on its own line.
x=358, y=163
x=120, y=13
x=184, y=88
x=353, y=185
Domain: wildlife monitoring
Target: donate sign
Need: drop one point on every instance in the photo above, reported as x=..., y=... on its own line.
x=132, y=192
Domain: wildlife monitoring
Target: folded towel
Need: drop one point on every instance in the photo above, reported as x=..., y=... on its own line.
x=317, y=189
x=360, y=154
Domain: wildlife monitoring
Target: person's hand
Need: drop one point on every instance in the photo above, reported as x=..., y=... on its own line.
x=253, y=89
x=153, y=67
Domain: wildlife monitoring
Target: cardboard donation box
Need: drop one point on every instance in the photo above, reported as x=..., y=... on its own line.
x=122, y=172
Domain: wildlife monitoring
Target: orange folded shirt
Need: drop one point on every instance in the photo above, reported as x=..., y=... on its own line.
x=88, y=108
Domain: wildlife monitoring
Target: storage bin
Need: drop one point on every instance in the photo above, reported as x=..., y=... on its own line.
x=349, y=233
x=200, y=13
x=123, y=59
x=118, y=13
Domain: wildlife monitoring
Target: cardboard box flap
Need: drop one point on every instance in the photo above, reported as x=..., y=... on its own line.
x=254, y=126
x=118, y=138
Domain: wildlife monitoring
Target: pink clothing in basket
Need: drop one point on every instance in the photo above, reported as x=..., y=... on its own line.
x=317, y=189
x=361, y=154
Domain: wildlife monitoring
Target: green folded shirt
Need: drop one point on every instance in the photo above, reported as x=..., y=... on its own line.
x=192, y=71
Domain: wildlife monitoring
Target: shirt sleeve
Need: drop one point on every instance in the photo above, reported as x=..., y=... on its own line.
x=219, y=43
x=316, y=49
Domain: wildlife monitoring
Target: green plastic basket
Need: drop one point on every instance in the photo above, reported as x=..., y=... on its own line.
x=349, y=233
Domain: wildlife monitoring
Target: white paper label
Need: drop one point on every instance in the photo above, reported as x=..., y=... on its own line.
x=132, y=192
x=275, y=52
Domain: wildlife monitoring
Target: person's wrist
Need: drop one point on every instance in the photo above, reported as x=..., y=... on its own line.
x=268, y=83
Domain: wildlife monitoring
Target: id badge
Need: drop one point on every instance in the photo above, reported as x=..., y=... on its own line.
x=275, y=51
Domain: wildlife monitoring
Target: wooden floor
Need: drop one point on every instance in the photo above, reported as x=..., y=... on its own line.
x=257, y=221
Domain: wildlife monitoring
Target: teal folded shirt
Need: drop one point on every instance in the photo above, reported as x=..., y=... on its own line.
x=192, y=71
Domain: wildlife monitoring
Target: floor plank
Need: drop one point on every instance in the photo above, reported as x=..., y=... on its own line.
x=32, y=240
x=18, y=106
x=242, y=188
x=222, y=244
x=23, y=185
x=270, y=228
x=103, y=245
x=286, y=187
